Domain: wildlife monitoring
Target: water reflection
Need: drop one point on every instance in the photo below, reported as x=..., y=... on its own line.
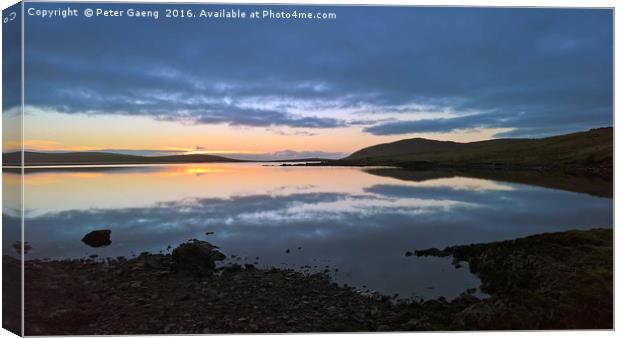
x=357, y=224
x=588, y=183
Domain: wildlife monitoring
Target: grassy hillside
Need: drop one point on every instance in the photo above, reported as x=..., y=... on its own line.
x=34, y=158
x=593, y=148
x=404, y=147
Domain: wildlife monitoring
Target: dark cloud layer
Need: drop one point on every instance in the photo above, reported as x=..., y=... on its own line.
x=540, y=71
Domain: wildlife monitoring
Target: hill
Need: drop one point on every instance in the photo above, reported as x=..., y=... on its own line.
x=589, y=149
x=404, y=147
x=84, y=158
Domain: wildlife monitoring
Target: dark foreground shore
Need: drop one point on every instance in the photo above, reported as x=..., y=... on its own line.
x=548, y=281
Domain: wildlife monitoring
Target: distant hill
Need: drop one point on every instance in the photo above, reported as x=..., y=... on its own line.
x=309, y=159
x=84, y=158
x=404, y=147
x=593, y=148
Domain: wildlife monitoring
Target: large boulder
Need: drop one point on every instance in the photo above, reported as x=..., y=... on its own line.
x=97, y=238
x=196, y=257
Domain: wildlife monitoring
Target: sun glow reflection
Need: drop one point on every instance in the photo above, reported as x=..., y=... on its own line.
x=192, y=170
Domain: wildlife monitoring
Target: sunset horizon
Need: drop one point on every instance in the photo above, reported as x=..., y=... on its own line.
x=256, y=155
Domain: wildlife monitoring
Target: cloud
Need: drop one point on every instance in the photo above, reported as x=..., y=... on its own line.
x=258, y=118
x=428, y=125
x=286, y=155
x=535, y=70
x=529, y=119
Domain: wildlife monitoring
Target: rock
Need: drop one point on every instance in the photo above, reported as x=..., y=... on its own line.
x=430, y=252
x=61, y=314
x=465, y=300
x=416, y=325
x=17, y=245
x=184, y=297
x=231, y=269
x=97, y=238
x=408, y=254
x=196, y=257
x=94, y=298
x=480, y=314
x=170, y=328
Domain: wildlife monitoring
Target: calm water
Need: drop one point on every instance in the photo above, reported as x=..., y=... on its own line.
x=357, y=223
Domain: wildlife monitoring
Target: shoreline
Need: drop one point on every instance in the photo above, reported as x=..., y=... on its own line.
x=526, y=278
x=605, y=171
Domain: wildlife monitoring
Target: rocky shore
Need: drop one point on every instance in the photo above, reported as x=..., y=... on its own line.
x=559, y=281
x=549, y=281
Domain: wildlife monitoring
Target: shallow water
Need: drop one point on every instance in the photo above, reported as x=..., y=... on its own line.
x=353, y=222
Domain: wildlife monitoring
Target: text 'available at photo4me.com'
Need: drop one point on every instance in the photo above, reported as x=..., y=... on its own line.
x=203, y=13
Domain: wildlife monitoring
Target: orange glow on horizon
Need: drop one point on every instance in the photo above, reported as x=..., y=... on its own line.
x=76, y=132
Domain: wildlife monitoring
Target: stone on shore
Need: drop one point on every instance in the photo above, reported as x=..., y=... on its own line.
x=97, y=238
x=196, y=257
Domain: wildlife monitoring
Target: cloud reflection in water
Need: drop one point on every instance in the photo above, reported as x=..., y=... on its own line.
x=361, y=225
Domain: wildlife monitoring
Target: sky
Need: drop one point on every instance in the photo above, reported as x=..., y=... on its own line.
x=258, y=89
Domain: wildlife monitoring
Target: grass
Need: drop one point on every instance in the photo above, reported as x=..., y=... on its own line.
x=593, y=148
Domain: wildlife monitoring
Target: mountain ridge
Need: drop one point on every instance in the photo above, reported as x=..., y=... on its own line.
x=592, y=148
x=33, y=158
x=85, y=158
